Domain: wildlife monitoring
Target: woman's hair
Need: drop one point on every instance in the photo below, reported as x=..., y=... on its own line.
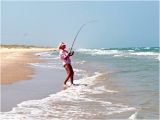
x=60, y=45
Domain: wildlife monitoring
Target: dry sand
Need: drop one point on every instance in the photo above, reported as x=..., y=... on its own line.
x=14, y=63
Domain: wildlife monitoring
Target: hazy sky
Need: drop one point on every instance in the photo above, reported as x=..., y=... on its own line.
x=120, y=24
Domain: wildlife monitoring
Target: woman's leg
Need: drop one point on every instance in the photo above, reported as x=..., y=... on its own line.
x=72, y=74
x=69, y=71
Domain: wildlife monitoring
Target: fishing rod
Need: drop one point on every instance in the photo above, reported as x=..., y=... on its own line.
x=79, y=32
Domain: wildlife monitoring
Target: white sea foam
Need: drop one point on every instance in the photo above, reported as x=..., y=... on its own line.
x=102, y=89
x=73, y=103
x=158, y=58
x=43, y=54
x=147, y=48
x=120, y=53
x=99, y=51
x=131, y=50
x=111, y=91
x=145, y=53
x=80, y=72
x=80, y=62
x=41, y=65
x=133, y=116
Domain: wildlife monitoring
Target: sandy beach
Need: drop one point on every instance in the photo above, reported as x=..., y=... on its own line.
x=14, y=63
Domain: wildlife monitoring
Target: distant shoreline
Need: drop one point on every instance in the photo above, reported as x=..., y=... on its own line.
x=22, y=46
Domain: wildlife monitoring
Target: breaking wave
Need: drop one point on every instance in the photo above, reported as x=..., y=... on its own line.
x=124, y=52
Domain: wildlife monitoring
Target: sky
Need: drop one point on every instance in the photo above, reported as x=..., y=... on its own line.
x=46, y=23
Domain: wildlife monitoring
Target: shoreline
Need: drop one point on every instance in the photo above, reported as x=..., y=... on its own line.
x=14, y=63
x=37, y=85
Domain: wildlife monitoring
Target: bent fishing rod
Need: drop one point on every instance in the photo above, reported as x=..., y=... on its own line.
x=79, y=32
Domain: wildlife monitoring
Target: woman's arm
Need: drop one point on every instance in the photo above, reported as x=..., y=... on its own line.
x=66, y=55
x=69, y=54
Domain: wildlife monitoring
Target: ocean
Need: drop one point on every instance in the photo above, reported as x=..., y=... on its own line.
x=116, y=83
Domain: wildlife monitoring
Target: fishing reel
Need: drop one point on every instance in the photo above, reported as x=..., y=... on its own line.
x=71, y=53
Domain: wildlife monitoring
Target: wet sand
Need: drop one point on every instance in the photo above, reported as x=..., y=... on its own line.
x=43, y=83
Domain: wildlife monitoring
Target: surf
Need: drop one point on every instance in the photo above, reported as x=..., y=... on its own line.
x=74, y=98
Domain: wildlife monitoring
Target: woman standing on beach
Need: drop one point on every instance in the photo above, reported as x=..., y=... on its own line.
x=65, y=57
